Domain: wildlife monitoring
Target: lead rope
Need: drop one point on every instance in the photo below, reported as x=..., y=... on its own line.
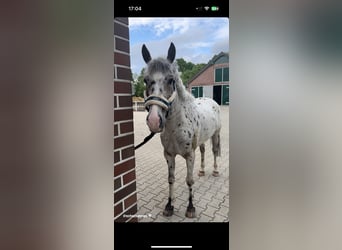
x=147, y=138
x=158, y=100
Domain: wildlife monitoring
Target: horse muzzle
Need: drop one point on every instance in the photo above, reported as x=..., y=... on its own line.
x=154, y=104
x=154, y=120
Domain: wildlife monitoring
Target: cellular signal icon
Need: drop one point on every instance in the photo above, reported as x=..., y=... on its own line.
x=206, y=8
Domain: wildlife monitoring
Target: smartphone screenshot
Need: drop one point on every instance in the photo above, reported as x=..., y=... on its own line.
x=171, y=125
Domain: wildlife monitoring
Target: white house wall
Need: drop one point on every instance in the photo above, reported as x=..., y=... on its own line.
x=208, y=91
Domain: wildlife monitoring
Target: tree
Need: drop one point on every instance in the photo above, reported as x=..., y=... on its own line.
x=184, y=65
x=188, y=69
x=139, y=85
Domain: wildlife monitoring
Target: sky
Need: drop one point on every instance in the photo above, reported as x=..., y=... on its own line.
x=196, y=39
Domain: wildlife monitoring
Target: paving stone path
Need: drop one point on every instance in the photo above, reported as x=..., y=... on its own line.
x=211, y=194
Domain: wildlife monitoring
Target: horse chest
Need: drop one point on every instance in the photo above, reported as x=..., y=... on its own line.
x=179, y=139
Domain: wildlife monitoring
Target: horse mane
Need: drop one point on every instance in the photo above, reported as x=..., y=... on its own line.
x=183, y=94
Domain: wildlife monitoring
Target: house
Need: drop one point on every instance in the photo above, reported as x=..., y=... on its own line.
x=213, y=80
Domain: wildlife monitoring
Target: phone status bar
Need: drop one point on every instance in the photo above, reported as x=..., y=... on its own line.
x=173, y=10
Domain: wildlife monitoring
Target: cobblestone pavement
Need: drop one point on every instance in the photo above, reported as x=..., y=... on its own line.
x=211, y=194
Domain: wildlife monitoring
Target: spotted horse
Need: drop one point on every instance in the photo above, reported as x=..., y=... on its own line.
x=184, y=123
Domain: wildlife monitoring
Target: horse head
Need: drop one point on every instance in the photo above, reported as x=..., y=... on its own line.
x=160, y=77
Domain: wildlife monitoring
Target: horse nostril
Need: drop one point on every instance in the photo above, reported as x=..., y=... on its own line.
x=160, y=121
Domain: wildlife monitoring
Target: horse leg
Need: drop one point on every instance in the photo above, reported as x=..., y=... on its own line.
x=202, y=149
x=190, y=211
x=171, y=166
x=216, y=150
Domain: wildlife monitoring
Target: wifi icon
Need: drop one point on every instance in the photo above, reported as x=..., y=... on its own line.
x=206, y=8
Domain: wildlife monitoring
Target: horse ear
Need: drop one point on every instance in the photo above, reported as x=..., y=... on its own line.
x=146, y=54
x=171, y=54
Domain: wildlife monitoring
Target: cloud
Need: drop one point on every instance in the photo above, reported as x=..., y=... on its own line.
x=196, y=39
x=161, y=25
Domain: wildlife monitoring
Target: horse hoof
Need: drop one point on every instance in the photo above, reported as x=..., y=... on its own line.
x=190, y=212
x=216, y=173
x=168, y=212
x=201, y=173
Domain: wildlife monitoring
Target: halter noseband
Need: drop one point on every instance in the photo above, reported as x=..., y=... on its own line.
x=160, y=101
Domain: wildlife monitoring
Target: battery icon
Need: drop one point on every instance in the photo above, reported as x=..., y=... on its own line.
x=214, y=8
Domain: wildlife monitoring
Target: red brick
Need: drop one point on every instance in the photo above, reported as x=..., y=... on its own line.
x=121, y=45
x=133, y=219
x=122, y=20
x=116, y=130
x=124, y=167
x=125, y=101
x=121, y=30
x=132, y=210
x=121, y=59
x=128, y=177
x=123, y=73
x=123, y=114
x=117, y=183
x=130, y=200
x=122, y=141
x=117, y=156
x=122, y=87
x=126, y=127
x=118, y=209
x=127, y=152
x=115, y=102
x=126, y=191
x=121, y=219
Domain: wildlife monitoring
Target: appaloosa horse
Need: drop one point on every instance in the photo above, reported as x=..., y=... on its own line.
x=184, y=122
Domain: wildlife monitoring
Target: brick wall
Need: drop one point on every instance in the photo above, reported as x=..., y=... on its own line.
x=205, y=78
x=125, y=195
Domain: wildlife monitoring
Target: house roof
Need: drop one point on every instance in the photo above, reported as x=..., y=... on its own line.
x=210, y=63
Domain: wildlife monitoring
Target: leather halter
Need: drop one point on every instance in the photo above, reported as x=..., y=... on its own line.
x=161, y=101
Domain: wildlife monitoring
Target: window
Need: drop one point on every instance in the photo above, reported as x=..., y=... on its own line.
x=225, y=74
x=218, y=75
x=222, y=75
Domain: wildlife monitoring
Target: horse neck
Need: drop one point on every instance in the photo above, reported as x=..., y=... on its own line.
x=183, y=98
x=183, y=94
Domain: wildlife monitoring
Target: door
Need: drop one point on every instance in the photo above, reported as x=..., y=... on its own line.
x=194, y=91
x=217, y=93
x=225, y=95
x=197, y=91
x=200, y=91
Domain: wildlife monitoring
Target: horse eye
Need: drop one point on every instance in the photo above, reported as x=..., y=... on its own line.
x=171, y=81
